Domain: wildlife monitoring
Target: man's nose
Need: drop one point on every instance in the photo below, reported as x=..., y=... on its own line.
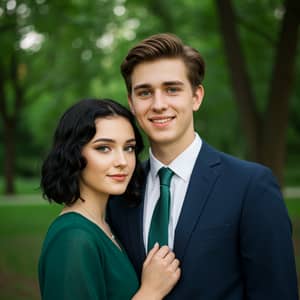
x=159, y=101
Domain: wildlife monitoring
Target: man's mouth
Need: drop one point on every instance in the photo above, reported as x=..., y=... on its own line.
x=161, y=120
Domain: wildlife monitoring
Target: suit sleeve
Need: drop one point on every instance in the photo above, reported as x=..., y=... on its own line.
x=72, y=268
x=268, y=264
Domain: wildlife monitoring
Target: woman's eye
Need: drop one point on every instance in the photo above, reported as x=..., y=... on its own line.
x=130, y=148
x=103, y=149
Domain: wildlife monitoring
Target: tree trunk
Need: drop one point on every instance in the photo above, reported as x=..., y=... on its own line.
x=240, y=80
x=8, y=143
x=9, y=155
x=10, y=119
x=273, y=148
x=266, y=137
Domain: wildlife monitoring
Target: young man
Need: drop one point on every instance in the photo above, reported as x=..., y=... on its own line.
x=227, y=222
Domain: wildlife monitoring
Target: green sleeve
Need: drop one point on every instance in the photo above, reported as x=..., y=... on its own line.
x=72, y=268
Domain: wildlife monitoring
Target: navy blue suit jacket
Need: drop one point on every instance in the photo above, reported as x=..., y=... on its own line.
x=233, y=237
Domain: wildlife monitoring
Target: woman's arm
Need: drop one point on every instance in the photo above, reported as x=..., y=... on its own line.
x=70, y=268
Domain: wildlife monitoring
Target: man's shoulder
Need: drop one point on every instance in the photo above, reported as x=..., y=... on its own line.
x=232, y=162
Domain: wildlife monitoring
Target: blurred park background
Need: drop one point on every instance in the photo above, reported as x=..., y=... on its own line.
x=53, y=53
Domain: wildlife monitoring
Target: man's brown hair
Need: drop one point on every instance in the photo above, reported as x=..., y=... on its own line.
x=164, y=45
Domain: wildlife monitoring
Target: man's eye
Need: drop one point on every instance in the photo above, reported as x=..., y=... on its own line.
x=144, y=93
x=172, y=90
x=103, y=149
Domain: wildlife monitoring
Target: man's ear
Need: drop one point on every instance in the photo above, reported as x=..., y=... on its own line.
x=129, y=99
x=198, y=97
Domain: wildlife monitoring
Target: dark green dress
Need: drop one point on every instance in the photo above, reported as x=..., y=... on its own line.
x=79, y=262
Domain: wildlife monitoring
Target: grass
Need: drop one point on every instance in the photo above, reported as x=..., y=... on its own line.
x=22, y=230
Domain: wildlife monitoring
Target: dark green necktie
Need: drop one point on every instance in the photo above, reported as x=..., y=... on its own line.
x=160, y=219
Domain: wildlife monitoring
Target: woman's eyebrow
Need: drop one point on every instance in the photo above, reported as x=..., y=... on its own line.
x=107, y=140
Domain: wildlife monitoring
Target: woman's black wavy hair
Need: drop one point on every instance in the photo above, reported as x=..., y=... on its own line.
x=61, y=168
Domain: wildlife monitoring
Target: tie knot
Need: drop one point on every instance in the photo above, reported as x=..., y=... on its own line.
x=165, y=176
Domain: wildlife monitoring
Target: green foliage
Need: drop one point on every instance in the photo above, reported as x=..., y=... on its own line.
x=293, y=206
x=84, y=43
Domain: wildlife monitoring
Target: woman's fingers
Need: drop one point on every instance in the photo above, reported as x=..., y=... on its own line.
x=151, y=253
x=174, y=264
x=169, y=257
x=164, y=257
x=162, y=252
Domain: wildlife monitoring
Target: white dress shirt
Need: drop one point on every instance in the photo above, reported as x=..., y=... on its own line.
x=182, y=166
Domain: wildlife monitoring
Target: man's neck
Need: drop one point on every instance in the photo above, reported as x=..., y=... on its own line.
x=166, y=153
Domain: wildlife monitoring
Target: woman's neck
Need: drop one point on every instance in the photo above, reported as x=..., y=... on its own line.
x=92, y=207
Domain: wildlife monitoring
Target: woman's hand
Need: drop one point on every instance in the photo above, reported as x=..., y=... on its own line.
x=160, y=273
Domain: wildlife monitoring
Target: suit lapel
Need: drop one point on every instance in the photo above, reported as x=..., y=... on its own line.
x=202, y=180
x=135, y=225
x=135, y=233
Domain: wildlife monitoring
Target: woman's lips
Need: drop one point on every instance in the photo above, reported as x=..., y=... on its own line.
x=118, y=177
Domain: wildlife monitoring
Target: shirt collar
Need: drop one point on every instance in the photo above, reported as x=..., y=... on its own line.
x=183, y=164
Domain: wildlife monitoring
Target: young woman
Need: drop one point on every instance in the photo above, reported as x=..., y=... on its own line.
x=94, y=155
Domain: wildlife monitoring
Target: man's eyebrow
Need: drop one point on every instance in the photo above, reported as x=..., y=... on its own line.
x=177, y=82
x=141, y=86
x=166, y=83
